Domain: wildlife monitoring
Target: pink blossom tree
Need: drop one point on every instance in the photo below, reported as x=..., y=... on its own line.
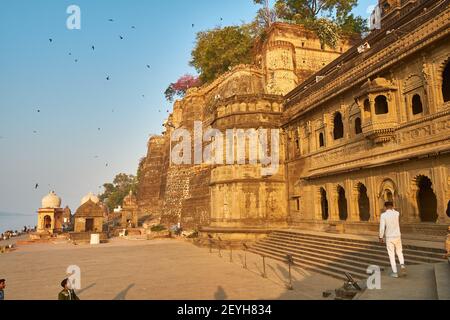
x=179, y=88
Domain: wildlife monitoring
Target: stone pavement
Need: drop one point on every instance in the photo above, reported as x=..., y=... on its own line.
x=420, y=284
x=160, y=269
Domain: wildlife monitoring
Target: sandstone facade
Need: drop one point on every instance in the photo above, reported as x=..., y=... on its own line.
x=357, y=129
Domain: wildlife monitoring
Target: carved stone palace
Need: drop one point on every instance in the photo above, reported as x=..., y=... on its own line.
x=362, y=123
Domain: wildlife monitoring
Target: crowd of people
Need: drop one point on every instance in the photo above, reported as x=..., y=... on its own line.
x=12, y=234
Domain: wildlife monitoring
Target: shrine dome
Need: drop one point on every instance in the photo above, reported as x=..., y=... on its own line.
x=51, y=201
x=90, y=196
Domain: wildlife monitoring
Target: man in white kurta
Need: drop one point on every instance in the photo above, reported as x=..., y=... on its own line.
x=390, y=228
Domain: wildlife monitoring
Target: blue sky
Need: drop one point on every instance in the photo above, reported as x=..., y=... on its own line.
x=86, y=122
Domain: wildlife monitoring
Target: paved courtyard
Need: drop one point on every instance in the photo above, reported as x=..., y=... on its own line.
x=159, y=269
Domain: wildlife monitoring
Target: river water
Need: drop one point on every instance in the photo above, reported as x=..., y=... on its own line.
x=15, y=221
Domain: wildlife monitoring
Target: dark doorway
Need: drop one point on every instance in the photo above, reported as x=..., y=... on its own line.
x=324, y=204
x=363, y=203
x=448, y=209
x=446, y=83
x=89, y=225
x=47, y=222
x=338, y=132
x=427, y=201
x=342, y=204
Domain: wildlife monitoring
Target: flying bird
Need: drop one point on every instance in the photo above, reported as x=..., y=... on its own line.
x=38, y=110
x=148, y=66
x=70, y=53
x=93, y=48
x=36, y=186
x=107, y=78
x=121, y=37
x=51, y=40
x=111, y=20
x=133, y=27
x=76, y=60
x=193, y=25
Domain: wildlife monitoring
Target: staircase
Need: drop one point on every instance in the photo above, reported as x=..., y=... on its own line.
x=334, y=255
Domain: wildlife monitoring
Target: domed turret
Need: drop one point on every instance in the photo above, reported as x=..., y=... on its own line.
x=90, y=196
x=51, y=201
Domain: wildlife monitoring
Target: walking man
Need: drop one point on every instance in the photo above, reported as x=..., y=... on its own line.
x=67, y=293
x=390, y=228
x=2, y=287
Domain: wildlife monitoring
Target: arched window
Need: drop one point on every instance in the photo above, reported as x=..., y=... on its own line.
x=358, y=126
x=321, y=140
x=446, y=83
x=381, y=105
x=417, y=107
x=338, y=132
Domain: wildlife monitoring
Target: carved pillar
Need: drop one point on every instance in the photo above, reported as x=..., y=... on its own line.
x=332, y=202
x=414, y=216
x=352, y=201
x=431, y=86
x=372, y=194
x=439, y=184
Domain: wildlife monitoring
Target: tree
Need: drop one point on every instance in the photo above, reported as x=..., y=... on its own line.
x=328, y=18
x=115, y=192
x=265, y=15
x=179, y=88
x=219, y=49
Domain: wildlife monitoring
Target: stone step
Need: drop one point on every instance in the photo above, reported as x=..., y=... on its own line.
x=322, y=268
x=435, y=256
x=314, y=259
x=413, y=257
x=369, y=259
x=349, y=262
x=442, y=274
x=439, y=252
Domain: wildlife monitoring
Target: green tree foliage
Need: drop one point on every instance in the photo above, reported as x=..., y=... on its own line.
x=328, y=18
x=219, y=49
x=116, y=191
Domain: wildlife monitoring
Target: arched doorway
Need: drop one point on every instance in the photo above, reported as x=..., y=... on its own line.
x=324, y=204
x=363, y=203
x=342, y=204
x=426, y=200
x=47, y=222
x=446, y=83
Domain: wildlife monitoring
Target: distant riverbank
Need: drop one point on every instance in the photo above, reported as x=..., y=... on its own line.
x=16, y=221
